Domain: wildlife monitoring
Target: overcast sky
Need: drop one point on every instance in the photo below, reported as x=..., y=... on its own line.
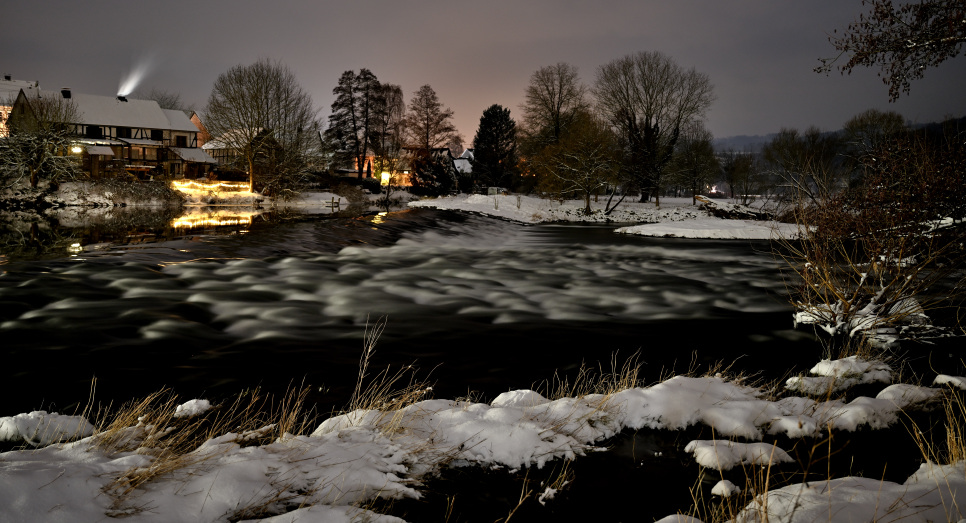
x=760, y=54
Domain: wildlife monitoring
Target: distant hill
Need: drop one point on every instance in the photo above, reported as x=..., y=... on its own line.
x=754, y=143
x=743, y=142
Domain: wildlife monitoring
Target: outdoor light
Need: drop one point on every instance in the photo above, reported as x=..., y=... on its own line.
x=76, y=149
x=75, y=248
x=385, y=178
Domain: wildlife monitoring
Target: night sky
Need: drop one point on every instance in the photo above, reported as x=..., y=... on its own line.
x=760, y=54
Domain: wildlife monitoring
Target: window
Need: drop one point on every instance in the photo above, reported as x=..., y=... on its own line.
x=157, y=134
x=123, y=132
x=94, y=131
x=181, y=141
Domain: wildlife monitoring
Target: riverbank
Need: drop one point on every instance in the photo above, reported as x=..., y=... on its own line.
x=674, y=218
x=163, y=460
x=274, y=302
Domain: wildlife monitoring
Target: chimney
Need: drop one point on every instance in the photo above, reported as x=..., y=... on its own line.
x=8, y=77
x=121, y=98
x=65, y=92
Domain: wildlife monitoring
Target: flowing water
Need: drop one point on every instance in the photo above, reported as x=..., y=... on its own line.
x=476, y=304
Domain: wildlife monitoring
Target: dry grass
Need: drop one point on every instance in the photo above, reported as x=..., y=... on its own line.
x=389, y=391
x=151, y=427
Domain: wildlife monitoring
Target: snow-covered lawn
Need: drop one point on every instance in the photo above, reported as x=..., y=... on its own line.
x=676, y=217
x=352, y=459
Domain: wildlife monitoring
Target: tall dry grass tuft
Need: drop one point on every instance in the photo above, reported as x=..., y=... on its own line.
x=947, y=446
x=589, y=381
x=153, y=427
x=389, y=391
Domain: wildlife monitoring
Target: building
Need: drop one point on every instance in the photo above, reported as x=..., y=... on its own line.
x=117, y=135
x=9, y=89
x=464, y=165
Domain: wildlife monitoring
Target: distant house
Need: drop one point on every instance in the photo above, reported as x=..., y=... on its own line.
x=9, y=89
x=115, y=135
x=441, y=155
x=463, y=165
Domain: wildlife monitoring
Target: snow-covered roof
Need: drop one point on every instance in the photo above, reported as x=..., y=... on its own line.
x=109, y=111
x=193, y=154
x=178, y=121
x=468, y=154
x=9, y=89
x=463, y=165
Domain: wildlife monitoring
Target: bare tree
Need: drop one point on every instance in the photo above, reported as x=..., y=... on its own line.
x=808, y=163
x=885, y=252
x=166, y=99
x=694, y=165
x=428, y=123
x=456, y=144
x=263, y=114
x=582, y=162
x=867, y=130
x=902, y=40
x=744, y=175
x=649, y=98
x=554, y=99
x=39, y=144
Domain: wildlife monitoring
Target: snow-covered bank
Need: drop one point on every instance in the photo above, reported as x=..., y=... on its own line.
x=529, y=209
x=353, y=459
x=716, y=228
x=676, y=217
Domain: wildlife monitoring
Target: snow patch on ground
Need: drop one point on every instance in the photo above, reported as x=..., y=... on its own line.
x=676, y=217
x=831, y=376
x=363, y=455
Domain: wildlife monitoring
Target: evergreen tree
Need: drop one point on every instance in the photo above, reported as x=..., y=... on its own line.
x=359, y=99
x=429, y=124
x=430, y=128
x=495, y=149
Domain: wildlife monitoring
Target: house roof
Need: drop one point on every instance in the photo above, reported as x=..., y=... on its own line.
x=109, y=111
x=193, y=154
x=9, y=89
x=463, y=165
x=178, y=121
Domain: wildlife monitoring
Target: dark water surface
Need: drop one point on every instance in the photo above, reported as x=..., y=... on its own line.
x=477, y=304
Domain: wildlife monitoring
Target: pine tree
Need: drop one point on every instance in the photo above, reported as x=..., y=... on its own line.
x=430, y=128
x=352, y=131
x=429, y=124
x=495, y=148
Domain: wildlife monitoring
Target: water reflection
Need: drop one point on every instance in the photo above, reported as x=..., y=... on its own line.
x=72, y=231
x=196, y=217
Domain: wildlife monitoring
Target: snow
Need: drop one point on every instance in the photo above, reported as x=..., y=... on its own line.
x=355, y=458
x=192, y=408
x=932, y=493
x=40, y=428
x=832, y=376
x=676, y=217
x=725, y=455
x=716, y=228
x=956, y=381
x=725, y=489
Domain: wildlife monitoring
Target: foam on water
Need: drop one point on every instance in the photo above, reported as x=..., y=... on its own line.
x=492, y=272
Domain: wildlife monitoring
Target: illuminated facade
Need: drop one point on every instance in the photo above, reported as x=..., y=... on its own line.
x=117, y=135
x=9, y=89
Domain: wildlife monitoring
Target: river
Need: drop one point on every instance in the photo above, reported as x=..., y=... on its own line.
x=475, y=304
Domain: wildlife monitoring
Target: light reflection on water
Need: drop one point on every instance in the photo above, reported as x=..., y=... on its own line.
x=490, y=305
